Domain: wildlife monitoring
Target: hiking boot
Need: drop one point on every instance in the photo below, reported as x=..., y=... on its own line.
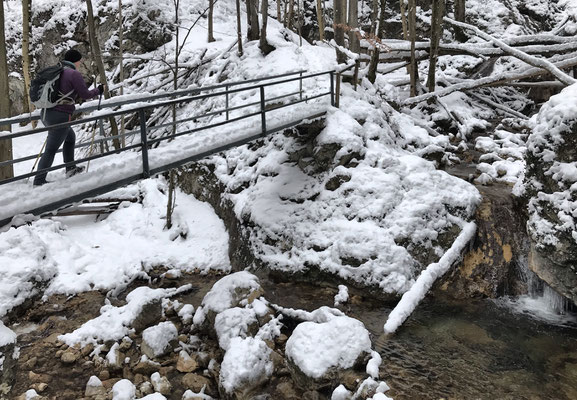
x=74, y=171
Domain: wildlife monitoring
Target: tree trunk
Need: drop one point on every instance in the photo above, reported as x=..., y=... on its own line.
x=379, y=29
x=278, y=11
x=121, y=65
x=321, y=20
x=5, y=144
x=354, y=41
x=404, y=19
x=263, y=45
x=340, y=6
x=210, y=20
x=95, y=46
x=26, y=5
x=291, y=12
x=414, y=72
x=252, y=16
x=436, y=34
x=460, y=16
x=238, y=28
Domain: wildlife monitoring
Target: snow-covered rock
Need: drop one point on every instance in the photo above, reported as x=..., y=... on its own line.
x=246, y=365
x=550, y=188
x=237, y=289
x=123, y=390
x=319, y=352
x=234, y=322
x=157, y=340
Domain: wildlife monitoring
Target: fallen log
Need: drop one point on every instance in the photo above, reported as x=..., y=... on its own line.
x=531, y=60
x=496, y=80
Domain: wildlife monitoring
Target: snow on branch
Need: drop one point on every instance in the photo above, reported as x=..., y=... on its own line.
x=417, y=292
x=531, y=60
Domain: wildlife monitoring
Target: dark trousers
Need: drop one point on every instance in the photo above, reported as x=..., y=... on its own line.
x=55, y=139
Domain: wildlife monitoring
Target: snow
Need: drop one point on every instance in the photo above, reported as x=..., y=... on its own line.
x=232, y=323
x=123, y=390
x=374, y=364
x=115, y=322
x=317, y=347
x=186, y=313
x=246, y=361
x=342, y=296
x=158, y=337
x=227, y=293
x=7, y=336
x=341, y=393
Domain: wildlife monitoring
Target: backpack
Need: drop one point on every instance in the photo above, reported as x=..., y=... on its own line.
x=44, y=91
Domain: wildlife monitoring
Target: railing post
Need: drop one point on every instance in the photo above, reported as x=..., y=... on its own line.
x=301, y=85
x=226, y=102
x=262, y=110
x=144, y=144
x=332, y=76
x=338, y=90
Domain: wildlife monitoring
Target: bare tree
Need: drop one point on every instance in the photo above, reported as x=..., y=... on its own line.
x=121, y=64
x=290, y=15
x=210, y=21
x=97, y=57
x=414, y=72
x=6, y=171
x=403, y=5
x=460, y=16
x=339, y=27
x=238, y=28
x=252, y=20
x=278, y=10
x=378, y=27
x=354, y=42
x=321, y=20
x=436, y=34
x=26, y=5
x=264, y=46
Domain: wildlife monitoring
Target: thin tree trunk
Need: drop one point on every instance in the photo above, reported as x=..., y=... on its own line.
x=94, y=44
x=252, y=15
x=278, y=11
x=381, y=30
x=436, y=34
x=263, y=45
x=321, y=20
x=404, y=19
x=460, y=34
x=26, y=4
x=378, y=29
x=210, y=21
x=413, y=35
x=340, y=20
x=121, y=65
x=354, y=41
x=5, y=144
x=374, y=16
x=291, y=12
x=238, y=28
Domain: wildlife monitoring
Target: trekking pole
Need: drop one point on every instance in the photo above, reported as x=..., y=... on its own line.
x=93, y=131
x=38, y=157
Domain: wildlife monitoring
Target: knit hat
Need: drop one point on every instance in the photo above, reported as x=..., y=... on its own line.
x=72, y=56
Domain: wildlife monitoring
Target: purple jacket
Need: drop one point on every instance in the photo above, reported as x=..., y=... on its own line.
x=72, y=81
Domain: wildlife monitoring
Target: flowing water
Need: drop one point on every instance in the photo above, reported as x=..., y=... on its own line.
x=480, y=349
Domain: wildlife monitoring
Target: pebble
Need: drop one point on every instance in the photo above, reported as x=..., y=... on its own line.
x=69, y=357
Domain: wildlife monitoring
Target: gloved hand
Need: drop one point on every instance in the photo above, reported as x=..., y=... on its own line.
x=101, y=88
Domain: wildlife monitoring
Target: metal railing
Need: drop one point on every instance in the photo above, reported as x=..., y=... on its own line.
x=144, y=140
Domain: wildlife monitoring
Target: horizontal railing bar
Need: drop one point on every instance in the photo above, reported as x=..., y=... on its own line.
x=17, y=120
x=305, y=99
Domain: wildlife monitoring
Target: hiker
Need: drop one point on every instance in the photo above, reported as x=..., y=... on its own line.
x=71, y=86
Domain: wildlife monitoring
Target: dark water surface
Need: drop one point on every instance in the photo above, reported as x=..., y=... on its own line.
x=459, y=350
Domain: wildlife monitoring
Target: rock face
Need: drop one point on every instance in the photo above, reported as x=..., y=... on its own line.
x=550, y=192
x=489, y=268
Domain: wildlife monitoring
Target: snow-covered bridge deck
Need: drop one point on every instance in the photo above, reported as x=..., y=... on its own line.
x=209, y=120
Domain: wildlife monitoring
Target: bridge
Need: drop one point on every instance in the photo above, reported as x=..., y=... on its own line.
x=154, y=141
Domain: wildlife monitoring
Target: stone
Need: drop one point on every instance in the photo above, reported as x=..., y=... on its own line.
x=146, y=368
x=158, y=340
x=160, y=384
x=195, y=382
x=286, y=391
x=86, y=350
x=146, y=388
x=150, y=314
x=94, y=387
x=104, y=375
x=40, y=387
x=31, y=363
x=186, y=363
x=69, y=356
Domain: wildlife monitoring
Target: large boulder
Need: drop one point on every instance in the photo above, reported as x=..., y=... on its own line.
x=550, y=190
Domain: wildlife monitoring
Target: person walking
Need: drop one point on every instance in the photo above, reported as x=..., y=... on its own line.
x=71, y=87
